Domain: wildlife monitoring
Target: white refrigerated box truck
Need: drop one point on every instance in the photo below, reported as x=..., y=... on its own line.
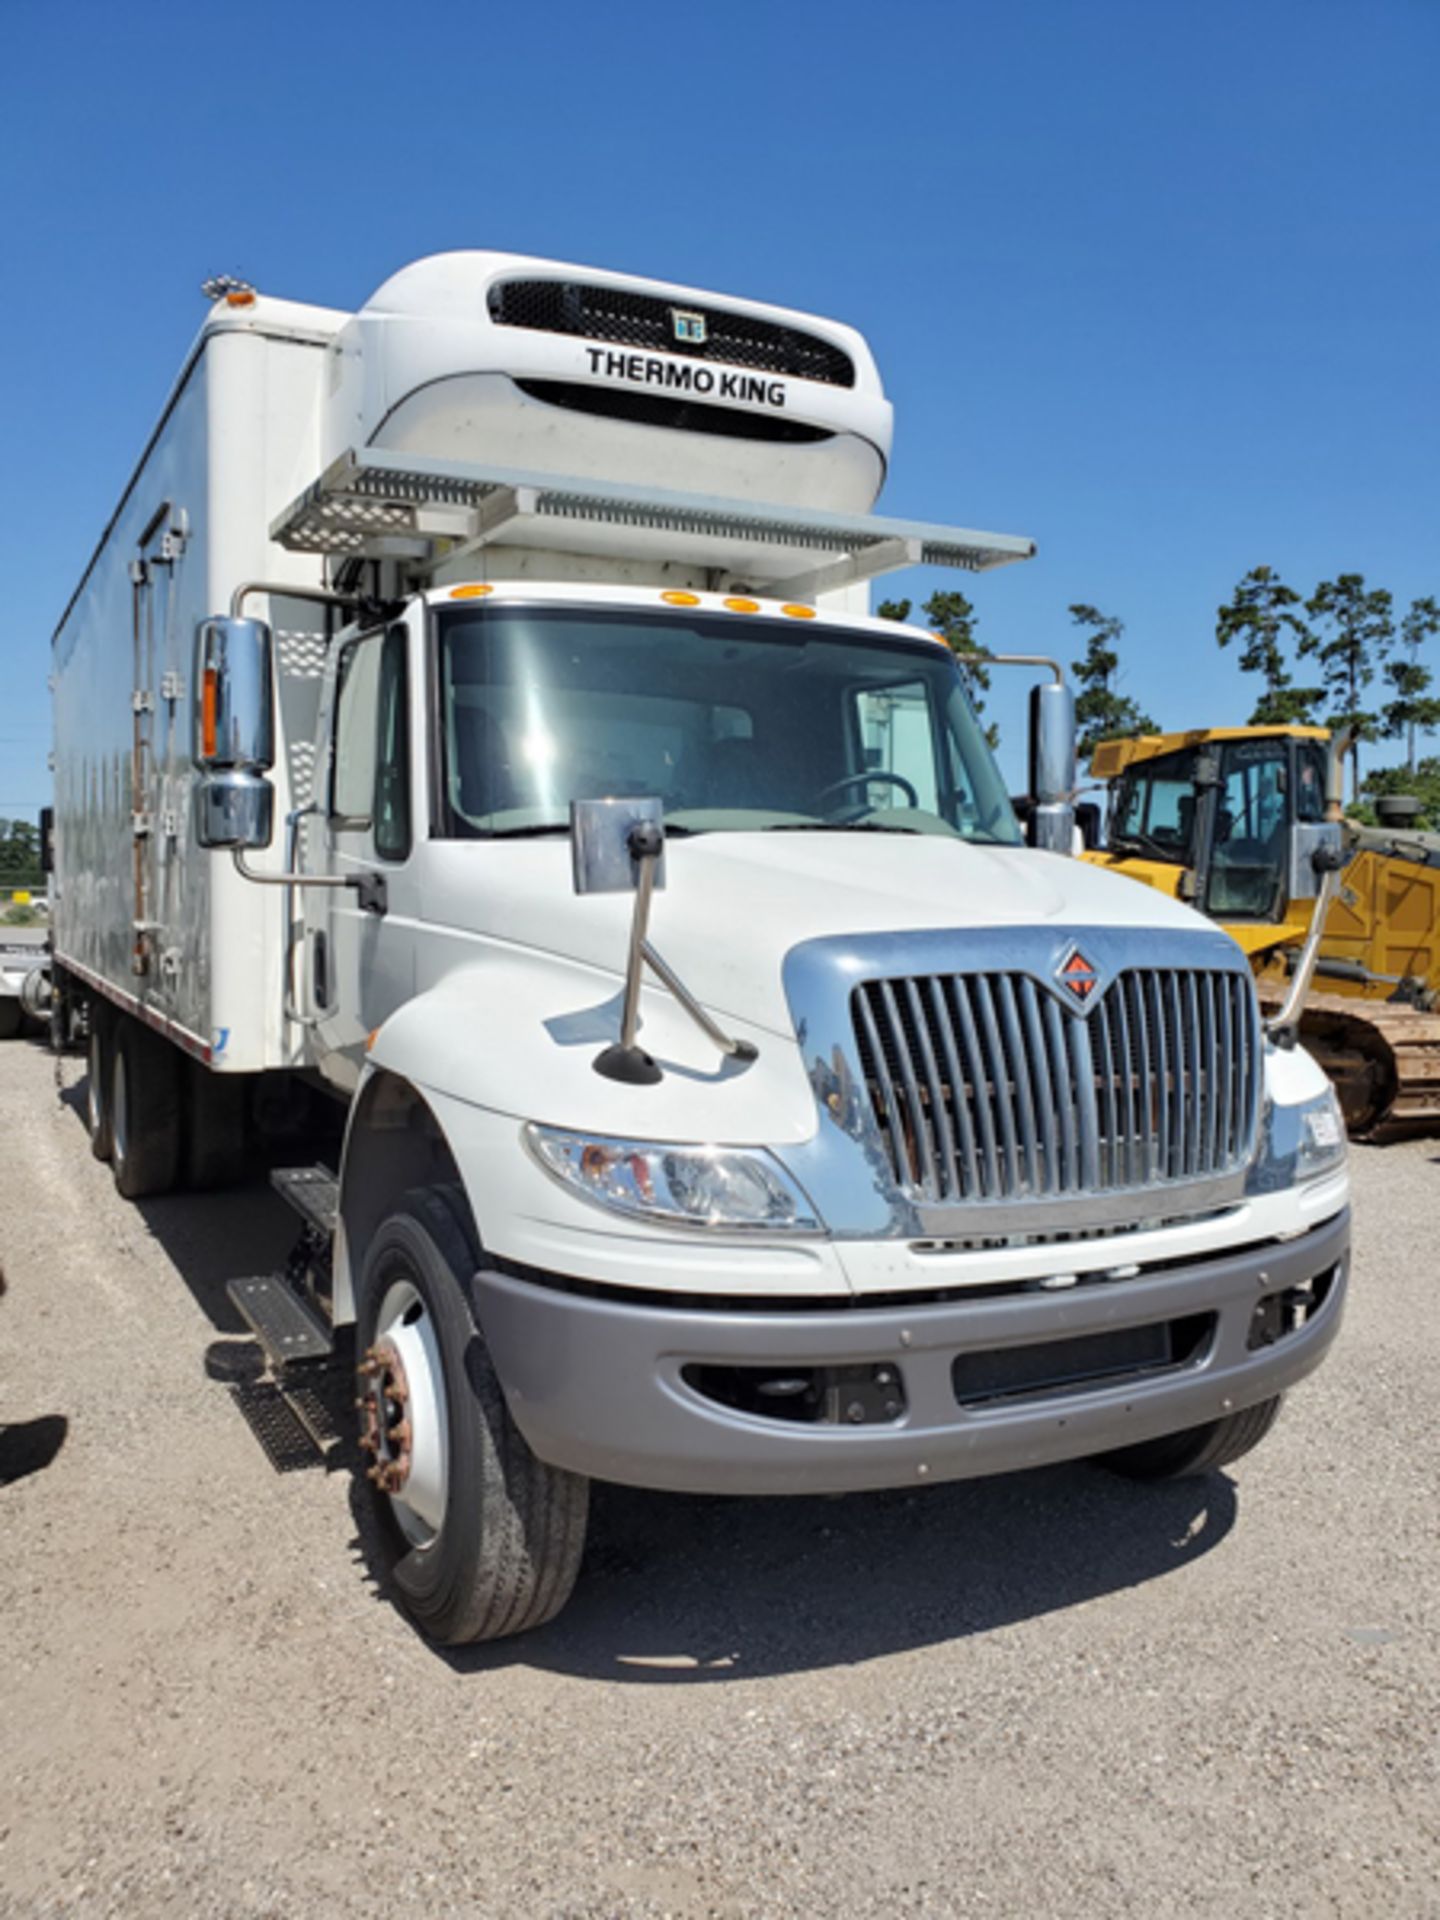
x=470, y=716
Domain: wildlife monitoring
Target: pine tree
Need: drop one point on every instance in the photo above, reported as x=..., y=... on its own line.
x=1101, y=712
x=1361, y=632
x=1259, y=613
x=1414, y=706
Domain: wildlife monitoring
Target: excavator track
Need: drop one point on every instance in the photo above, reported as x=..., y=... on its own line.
x=1384, y=1060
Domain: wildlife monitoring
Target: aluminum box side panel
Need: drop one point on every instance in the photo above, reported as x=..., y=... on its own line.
x=224, y=456
x=93, y=887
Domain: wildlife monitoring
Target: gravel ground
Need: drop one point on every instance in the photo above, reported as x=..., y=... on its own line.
x=1052, y=1694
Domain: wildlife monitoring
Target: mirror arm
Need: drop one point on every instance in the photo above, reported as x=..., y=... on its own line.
x=371, y=887
x=346, y=601
x=1328, y=863
x=1284, y=1027
x=1017, y=660
x=733, y=1049
x=626, y=1061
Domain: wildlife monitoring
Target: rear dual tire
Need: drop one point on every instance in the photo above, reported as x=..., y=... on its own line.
x=145, y=1112
x=177, y=1121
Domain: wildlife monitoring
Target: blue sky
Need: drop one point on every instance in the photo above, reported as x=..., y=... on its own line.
x=1154, y=283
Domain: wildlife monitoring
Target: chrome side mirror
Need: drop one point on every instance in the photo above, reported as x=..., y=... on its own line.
x=234, y=808
x=1316, y=848
x=234, y=736
x=1052, y=767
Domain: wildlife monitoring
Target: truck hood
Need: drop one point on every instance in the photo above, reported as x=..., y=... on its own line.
x=735, y=904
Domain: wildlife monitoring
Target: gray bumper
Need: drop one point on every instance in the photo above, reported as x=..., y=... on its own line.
x=596, y=1384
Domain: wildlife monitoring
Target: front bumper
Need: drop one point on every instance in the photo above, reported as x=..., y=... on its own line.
x=606, y=1386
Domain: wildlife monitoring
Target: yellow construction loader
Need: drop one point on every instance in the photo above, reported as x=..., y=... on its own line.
x=1232, y=819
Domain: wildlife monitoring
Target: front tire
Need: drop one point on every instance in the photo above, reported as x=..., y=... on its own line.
x=487, y=1538
x=1179, y=1456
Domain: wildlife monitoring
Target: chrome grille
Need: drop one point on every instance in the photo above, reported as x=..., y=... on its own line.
x=985, y=1087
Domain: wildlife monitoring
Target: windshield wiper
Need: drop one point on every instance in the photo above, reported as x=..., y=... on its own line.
x=836, y=826
x=563, y=826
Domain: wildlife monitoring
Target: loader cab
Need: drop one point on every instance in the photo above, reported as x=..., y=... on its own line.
x=1224, y=809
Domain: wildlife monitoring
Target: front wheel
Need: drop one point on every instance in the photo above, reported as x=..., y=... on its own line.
x=487, y=1539
x=1178, y=1456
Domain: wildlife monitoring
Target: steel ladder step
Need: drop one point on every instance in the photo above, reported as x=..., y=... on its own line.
x=314, y=1192
x=287, y=1326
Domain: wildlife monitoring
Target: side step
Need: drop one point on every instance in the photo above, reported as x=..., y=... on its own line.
x=314, y=1192
x=284, y=1323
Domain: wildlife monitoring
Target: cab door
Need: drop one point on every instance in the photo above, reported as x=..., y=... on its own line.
x=362, y=964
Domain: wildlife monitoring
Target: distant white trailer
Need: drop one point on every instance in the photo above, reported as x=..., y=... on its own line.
x=23, y=979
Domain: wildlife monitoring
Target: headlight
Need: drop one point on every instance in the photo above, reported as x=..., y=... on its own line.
x=1298, y=1143
x=1322, y=1136
x=689, y=1186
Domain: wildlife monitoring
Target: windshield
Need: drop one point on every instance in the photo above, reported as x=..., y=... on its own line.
x=736, y=724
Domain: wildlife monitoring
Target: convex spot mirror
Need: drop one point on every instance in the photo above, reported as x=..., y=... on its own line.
x=601, y=845
x=234, y=733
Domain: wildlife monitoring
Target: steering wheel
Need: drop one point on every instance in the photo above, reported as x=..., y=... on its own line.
x=864, y=779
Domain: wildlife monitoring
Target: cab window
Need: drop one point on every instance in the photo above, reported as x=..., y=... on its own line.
x=1154, y=810
x=370, y=773
x=897, y=737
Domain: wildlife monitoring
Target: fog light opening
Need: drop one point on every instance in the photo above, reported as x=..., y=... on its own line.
x=853, y=1396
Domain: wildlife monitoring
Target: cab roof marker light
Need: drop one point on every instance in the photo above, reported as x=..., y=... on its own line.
x=737, y=605
x=674, y=598
x=472, y=590
x=798, y=612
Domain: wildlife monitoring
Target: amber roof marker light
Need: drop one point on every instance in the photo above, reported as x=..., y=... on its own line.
x=224, y=286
